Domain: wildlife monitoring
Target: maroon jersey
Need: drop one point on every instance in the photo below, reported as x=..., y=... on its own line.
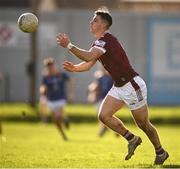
x=115, y=60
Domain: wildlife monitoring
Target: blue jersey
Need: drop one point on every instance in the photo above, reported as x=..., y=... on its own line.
x=104, y=85
x=56, y=86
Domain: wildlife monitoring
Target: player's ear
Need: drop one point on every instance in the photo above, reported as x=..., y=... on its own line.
x=105, y=25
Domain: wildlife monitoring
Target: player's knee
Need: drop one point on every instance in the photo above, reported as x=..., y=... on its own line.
x=100, y=116
x=58, y=118
x=103, y=117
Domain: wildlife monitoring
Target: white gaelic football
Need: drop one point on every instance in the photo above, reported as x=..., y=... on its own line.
x=28, y=22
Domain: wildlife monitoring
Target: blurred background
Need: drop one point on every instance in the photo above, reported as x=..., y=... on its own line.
x=149, y=31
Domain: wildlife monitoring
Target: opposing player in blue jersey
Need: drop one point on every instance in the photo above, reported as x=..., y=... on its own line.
x=97, y=91
x=53, y=86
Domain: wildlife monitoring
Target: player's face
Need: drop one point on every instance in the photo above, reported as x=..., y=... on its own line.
x=50, y=69
x=96, y=24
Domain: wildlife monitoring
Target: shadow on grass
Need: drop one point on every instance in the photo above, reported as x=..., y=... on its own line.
x=86, y=119
x=171, y=166
x=157, y=166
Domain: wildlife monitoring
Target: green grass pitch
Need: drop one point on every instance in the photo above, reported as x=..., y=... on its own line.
x=39, y=145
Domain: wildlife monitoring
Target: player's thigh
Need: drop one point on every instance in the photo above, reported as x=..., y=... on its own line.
x=59, y=112
x=141, y=115
x=110, y=105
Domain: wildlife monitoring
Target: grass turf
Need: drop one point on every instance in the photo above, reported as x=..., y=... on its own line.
x=87, y=113
x=28, y=145
x=32, y=145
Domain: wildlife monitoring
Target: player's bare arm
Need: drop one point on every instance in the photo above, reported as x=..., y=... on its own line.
x=43, y=89
x=85, y=55
x=81, y=67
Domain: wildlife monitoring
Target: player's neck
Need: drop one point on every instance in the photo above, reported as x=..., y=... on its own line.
x=100, y=34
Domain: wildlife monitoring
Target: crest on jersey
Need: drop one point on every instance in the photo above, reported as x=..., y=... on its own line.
x=100, y=43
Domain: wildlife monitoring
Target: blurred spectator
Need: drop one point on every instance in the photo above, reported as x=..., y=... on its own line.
x=97, y=91
x=47, y=5
x=53, y=94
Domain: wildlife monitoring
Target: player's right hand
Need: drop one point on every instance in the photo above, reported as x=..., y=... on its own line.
x=62, y=40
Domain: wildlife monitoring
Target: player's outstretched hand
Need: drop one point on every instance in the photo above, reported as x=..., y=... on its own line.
x=69, y=66
x=62, y=40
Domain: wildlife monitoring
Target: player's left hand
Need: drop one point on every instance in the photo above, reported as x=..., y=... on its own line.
x=69, y=66
x=62, y=40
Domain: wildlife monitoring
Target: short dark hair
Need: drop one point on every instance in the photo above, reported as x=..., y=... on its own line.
x=104, y=13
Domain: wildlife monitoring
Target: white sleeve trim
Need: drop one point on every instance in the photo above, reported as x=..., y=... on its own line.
x=102, y=49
